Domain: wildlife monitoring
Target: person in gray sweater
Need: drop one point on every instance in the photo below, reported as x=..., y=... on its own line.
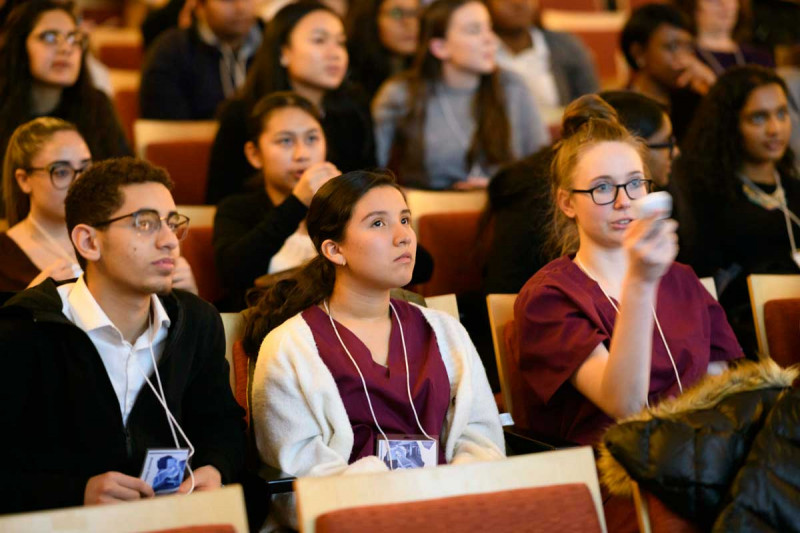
x=468, y=117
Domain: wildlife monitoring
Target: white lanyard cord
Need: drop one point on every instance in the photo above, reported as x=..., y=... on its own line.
x=364, y=382
x=658, y=326
x=162, y=399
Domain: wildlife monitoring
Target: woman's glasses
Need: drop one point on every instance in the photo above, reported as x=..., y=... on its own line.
x=61, y=173
x=75, y=39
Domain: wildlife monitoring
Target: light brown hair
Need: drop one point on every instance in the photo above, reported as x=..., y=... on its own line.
x=587, y=121
x=26, y=141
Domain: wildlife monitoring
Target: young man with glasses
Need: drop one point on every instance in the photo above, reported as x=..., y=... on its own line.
x=101, y=370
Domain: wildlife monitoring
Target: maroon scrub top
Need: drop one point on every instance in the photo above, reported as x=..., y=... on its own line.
x=430, y=385
x=561, y=315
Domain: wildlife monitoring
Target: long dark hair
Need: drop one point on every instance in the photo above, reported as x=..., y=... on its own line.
x=370, y=61
x=714, y=140
x=328, y=215
x=267, y=75
x=81, y=104
x=492, y=138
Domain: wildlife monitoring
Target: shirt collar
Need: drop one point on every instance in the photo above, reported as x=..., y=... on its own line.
x=84, y=311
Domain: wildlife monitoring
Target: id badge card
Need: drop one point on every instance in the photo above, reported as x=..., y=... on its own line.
x=407, y=451
x=164, y=468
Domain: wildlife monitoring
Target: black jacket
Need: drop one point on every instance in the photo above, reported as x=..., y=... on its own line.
x=60, y=415
x=181, y=78
x=724, y=455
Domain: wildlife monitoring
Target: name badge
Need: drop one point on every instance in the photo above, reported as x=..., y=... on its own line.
x=164, y=469
x=407, y=451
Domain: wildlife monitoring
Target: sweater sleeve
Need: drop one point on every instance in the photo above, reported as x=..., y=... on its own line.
x=247, y=236
x=160, y=94
x=528, y=129
x=576, y=63
x=388, y=108
x=300, y=423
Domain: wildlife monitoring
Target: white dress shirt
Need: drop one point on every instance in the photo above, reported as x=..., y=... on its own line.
x=533, y=64
x=126, y=364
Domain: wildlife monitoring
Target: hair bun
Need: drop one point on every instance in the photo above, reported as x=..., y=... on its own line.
x=581, y=110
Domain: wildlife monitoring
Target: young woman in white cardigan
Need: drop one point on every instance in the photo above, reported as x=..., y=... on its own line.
x=344, y=365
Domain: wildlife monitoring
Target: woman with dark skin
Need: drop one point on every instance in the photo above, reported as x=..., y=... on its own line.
x=303, y=50
x=742, y=188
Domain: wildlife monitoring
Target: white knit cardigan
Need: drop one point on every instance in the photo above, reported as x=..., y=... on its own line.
x=300, y=422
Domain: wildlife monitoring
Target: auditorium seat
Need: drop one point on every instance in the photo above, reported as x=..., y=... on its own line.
x=458, y=254
x=198, y=250
x=655, y=517
x=573, y=5
x=422, y=202
x=125, y=86
x=766, y=287
x=549, y=491
x=214, y=511
x=782, y=328
x=117, y=48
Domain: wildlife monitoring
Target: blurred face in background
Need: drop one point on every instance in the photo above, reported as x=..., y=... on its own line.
x=469, y=45
x=398, y=26
x=316, y=54
x=765, y=125
x=54, y=48
x=662, y=149
x=667, y=54
x=230, y=20
x=716, y=16
x=512, y=15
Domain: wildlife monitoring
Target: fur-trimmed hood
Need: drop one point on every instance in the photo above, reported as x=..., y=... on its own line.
x=706, y=394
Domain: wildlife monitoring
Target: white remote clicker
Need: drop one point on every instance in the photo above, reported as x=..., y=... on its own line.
x=656, y=202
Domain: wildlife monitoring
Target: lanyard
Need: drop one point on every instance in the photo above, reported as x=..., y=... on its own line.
x=758, y=196
x=658, y=325
x=363, y=381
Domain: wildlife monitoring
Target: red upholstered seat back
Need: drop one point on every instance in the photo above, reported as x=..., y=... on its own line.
x=126, y=102
x=452, y=240
x=208, y=528
x=782, y=325
x=199, y=252
x=559, y=508
x=187, y=164
x=121, y=55
x=573, y=5
x=241, y=377
x=663, y=520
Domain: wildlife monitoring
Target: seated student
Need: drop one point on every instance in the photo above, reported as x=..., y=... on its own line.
x=742, y=189
x=454, y=118
x=264, y=232
x=42, y=54
x=557, y=67
x=659, y=48
x=188, y=72
x=382, y=36
x=720, y=26
x=614, y=324
x=304, y=50
x=43, y=157
x=519, y=195
x=116, y=362
x=344, y=365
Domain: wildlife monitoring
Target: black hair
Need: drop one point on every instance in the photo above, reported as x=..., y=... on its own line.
x=258, y=117
x=328, y=215
x=640, y=114
x=644, y=22
x=714, y=140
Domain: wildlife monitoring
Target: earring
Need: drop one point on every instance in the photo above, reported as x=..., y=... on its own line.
x=283, y=61
x=344, y=262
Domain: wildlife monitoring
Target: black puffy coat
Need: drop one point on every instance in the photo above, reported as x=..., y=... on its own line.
x=725, y=454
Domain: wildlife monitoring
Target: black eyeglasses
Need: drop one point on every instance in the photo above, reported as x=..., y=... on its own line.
x=75, y=39
x=61, y=173
x=670, y=144
x=606, y=193
x=148, y=222
x=398, y=13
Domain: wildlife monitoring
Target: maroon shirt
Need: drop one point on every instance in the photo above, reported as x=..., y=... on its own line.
x=561, y=315
x=430, y=385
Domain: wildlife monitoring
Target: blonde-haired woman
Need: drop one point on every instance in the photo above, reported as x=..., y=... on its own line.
x=614, y=323
x=42, y=159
